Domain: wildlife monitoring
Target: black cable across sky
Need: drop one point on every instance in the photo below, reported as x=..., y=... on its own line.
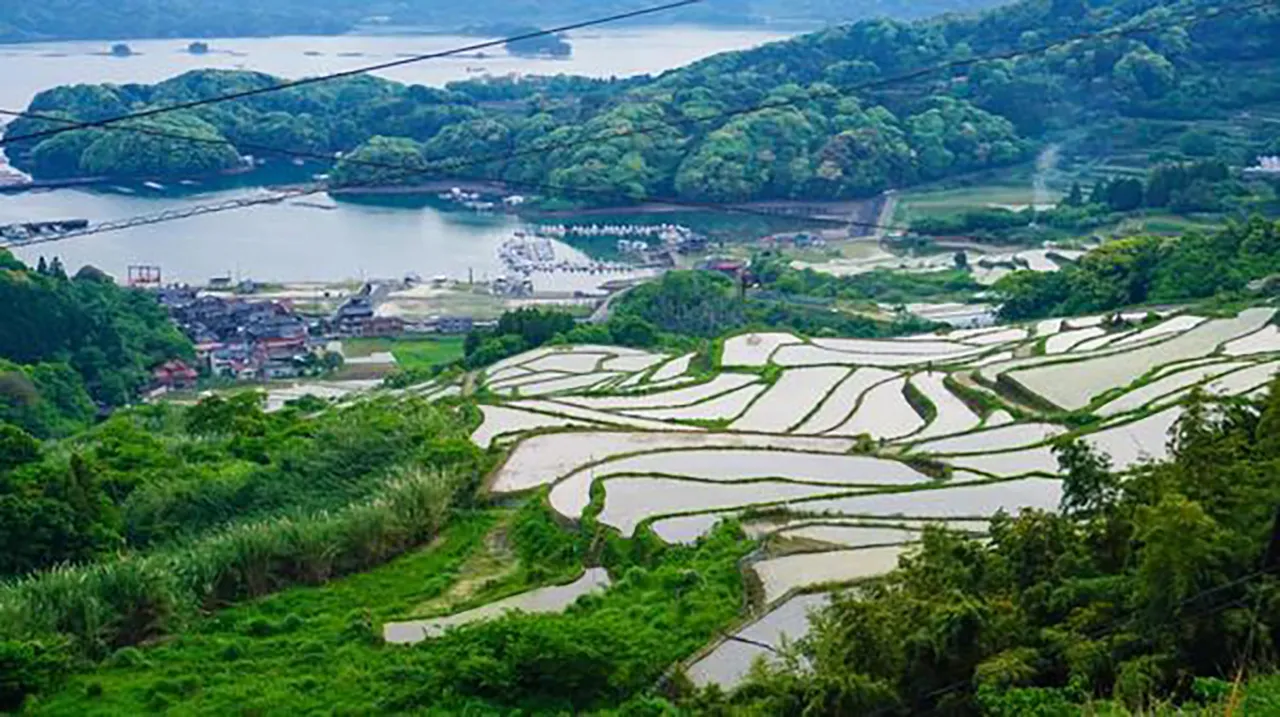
x=352, y=72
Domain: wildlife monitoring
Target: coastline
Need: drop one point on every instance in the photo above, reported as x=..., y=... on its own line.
x=851, y=212
x=818, y=210
x=67, y=182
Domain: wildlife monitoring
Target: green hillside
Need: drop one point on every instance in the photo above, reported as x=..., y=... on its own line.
x=831, y=130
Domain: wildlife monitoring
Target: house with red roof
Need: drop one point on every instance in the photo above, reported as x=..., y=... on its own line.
x=175, y=375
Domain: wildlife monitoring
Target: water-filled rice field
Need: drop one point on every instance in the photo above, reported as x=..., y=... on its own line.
x=674, y=459
x=844, y=448
x=554, y=598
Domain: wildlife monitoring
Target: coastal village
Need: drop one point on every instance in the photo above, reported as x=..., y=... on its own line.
x=247, y=333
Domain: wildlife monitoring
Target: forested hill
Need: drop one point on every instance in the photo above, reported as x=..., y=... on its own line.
x=686, y=133
x=130, y=19
x=69, y=344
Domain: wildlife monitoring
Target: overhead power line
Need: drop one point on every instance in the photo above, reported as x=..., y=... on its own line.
x=1184, y=21
x=445, y=166
x=290, y=84
x=317, y=187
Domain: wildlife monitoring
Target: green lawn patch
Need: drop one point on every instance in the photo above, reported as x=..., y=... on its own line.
x=414, y=353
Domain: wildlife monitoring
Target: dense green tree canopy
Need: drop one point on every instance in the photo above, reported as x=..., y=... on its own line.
x=70, y=335
x=1137, y=592
x=378, y=163
x=830, y=130
x=1147, y=269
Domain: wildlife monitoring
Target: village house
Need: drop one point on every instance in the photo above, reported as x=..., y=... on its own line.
x=174, y=376
x=352, y=317
x=454, y=324
x=241, y=339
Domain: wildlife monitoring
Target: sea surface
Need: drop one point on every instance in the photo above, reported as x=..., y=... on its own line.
x=293, y=241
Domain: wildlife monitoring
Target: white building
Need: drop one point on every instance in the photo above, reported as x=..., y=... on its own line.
x=1267, y=167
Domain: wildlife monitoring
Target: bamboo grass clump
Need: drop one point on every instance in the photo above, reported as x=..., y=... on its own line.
x=104, y=606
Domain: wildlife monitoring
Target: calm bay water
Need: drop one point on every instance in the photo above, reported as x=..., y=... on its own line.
x=288, y=241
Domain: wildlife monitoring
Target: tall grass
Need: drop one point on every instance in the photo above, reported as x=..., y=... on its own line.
x=108, y=605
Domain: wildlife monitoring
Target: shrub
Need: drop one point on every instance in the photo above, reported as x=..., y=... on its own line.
x=259, y=627
x=127, y=657
x=26, y=667
x=99, y=608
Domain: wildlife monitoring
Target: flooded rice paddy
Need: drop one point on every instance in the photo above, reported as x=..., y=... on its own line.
x=850, y=447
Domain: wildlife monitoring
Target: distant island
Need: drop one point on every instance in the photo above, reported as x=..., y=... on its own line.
x=53, y=20
x=540, y=46
x=121, y=50
x=198, y=48
x=820, y=146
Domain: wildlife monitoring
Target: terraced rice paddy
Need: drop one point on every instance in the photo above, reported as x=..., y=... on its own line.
x=1073, y=384
x=685, y=456
x=687, y=529
x=841, y=402
x=851, y=536
x=569, y=362
x=500, y=421
x=723, y=408
x=1176, y=325
x=990, y=359
x=999, y=438
x=786, y=403
x=631, y=364
x=562, y=384
x=1263, y=341
x=541, y=460
x=672, y=369
x=729, y=662
x=884, y=414
x=1244, y=381
x=737, y=464
x=1048, y=327
x=1064, y=342
x=953, y=416
x=1172, y=383
x=783, y=576
x=555, y=598
x=1010, y=465
x=754, y=349
x=720, y=385
x=794, y=356
x=851, y=532
x=1132, y=443
x=950, y=503
x=586, y=414
x=851, y=445
x=630, y=501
